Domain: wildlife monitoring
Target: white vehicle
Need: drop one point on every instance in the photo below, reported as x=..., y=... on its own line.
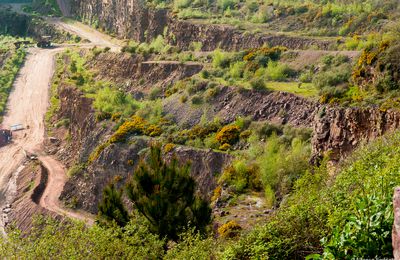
x=16, y=127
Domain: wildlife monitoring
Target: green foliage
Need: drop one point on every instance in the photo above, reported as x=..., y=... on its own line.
x=282, y=165
x=157, y=46
x=76, y=169
x=351, y=214
x=12, y=23
x=9, y=70
x=226, y=4
x=111, y=207
x=221, y=59
x=46, y=7
x=192, y=246
x=164, y=193
x=241, y=177
x=113, y=101
x=228, y=134
x=367, y=231
x=331, y=78
x=50, y=239
x=278, y=71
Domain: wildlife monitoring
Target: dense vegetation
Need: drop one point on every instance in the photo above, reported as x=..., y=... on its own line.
x=43, y=7
x=163, y=193
x=157, y=214
x=11, y=59
x=13, y=24
x=332, y=18
x=342, y=217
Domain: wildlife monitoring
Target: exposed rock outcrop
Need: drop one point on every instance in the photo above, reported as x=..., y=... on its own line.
x=228, y=38
x=339, y=131
x=231, y=102
x=117, y=161
x=125, y=18
x=138, y=75
x=132, y=19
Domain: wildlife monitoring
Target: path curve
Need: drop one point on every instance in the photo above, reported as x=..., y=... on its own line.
x=55, y=184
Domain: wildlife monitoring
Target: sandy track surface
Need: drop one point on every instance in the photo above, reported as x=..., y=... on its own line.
x=55, y=184
x=27, y=105
x=96, y=38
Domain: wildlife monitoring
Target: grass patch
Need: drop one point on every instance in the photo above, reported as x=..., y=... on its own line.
x=303, y=89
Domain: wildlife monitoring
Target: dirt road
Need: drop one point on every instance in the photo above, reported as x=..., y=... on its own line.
x=96, y=38
x=55, y=184
x=27, y=105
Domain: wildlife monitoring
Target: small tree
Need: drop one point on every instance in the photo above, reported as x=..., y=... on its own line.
x=165, y=194
x=111, y=207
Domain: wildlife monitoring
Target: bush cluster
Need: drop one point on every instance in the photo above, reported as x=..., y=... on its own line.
x=135, y=125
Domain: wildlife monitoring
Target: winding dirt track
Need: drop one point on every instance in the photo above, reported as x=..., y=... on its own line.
x=27, y=105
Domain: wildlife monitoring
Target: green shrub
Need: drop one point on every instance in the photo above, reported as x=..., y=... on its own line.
x=111, y=207
x=332, y=77
x=228, y=134
x=258, y=84
x=51, y=239
x=114, y=101
x=164, y=193
x=281, y=166
x=345, y=217
x=229, y=229
x=226, y=4
x=192, y=245
x=197, y=100
x=278, y=71
x=155, y=93
x=220, y=59
x=76, y=169
x=237, y=69
x=241, y=177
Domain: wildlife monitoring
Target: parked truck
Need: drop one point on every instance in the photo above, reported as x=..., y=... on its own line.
x=5, y=137
x=44, y=42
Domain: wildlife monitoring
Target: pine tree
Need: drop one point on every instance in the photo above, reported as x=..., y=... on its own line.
x=111, y=207
x=165, y=194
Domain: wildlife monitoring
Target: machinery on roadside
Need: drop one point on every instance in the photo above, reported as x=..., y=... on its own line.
x=5, y=137
x=44, y=42
x=18, y=44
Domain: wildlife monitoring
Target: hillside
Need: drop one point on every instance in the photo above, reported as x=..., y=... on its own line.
x=181, y=129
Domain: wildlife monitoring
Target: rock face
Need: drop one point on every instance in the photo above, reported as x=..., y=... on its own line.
x=140, y=76
x=340, y=130
x=228, y=38
x=230, y=103
x=125, y=18
x=117, y=161
x=396, y=224
x=132, y=19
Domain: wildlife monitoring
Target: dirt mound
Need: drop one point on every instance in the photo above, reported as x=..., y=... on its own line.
x=31, y=183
